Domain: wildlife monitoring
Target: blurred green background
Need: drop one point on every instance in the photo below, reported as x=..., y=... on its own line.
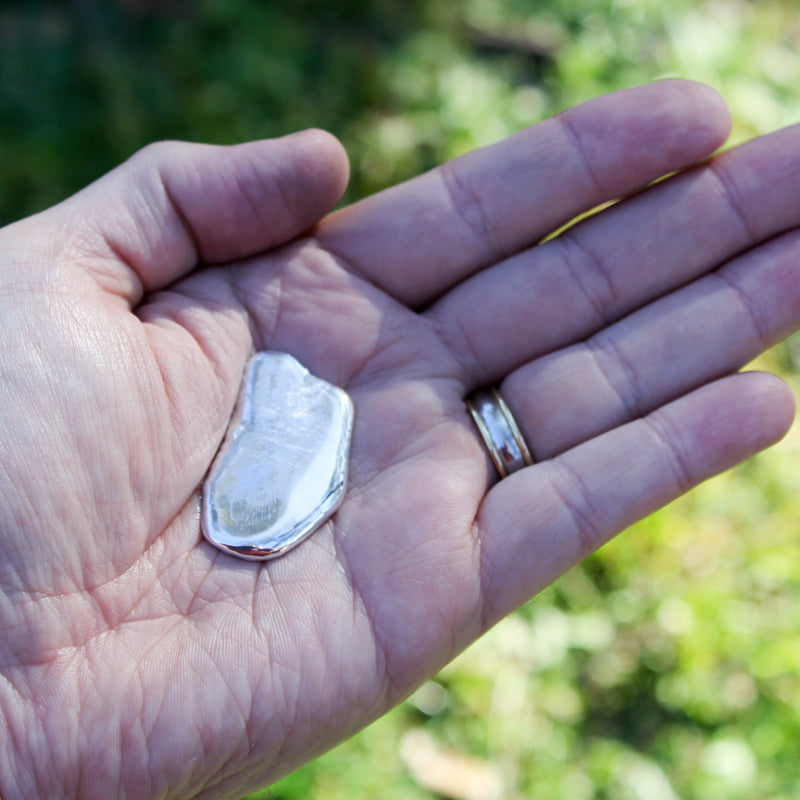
x=666, y=666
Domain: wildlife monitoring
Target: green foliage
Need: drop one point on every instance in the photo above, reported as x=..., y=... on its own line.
x=666, y=666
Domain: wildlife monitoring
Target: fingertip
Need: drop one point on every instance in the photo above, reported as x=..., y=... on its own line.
x=690, y=114
x=327, y=153
x=642, y=133
x=734, y=418
x=774, y=401
x=706, y=109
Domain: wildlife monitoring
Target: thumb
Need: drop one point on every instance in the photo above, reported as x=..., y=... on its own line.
x=174, y=205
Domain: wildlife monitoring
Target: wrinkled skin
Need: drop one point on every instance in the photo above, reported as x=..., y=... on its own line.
x=137, y=661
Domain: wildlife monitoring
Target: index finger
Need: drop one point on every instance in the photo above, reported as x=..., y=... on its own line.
x=420, y=238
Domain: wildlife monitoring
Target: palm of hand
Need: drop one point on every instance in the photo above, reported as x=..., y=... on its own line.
x=163, y=667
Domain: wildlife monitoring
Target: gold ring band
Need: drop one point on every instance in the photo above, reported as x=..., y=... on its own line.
x=500, y=433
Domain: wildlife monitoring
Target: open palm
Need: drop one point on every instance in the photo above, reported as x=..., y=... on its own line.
x=137, y=661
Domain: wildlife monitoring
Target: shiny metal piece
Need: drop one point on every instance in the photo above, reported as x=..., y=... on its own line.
x=501, y=435
x=282, y=470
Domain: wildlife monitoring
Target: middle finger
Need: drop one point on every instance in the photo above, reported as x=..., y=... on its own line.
x=614, y=262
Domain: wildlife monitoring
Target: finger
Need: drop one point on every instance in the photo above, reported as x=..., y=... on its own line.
x=574, y=285
x=419, y=239
x=174, y=205
x=702, y=332
x=542, y=520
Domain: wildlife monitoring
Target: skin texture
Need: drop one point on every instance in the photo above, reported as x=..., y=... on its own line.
x=137, y=661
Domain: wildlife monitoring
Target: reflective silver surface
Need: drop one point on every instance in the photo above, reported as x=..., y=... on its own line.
x=501, y=435
x=282, y=469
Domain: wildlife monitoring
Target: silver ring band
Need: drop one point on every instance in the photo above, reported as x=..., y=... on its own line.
x=500, y=433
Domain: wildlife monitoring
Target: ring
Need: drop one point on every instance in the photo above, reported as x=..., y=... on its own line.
x=501, y=435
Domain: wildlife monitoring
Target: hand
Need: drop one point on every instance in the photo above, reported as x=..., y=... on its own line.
x=136, y=661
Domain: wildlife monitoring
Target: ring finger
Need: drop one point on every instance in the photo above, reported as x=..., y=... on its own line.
x=708, y=329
